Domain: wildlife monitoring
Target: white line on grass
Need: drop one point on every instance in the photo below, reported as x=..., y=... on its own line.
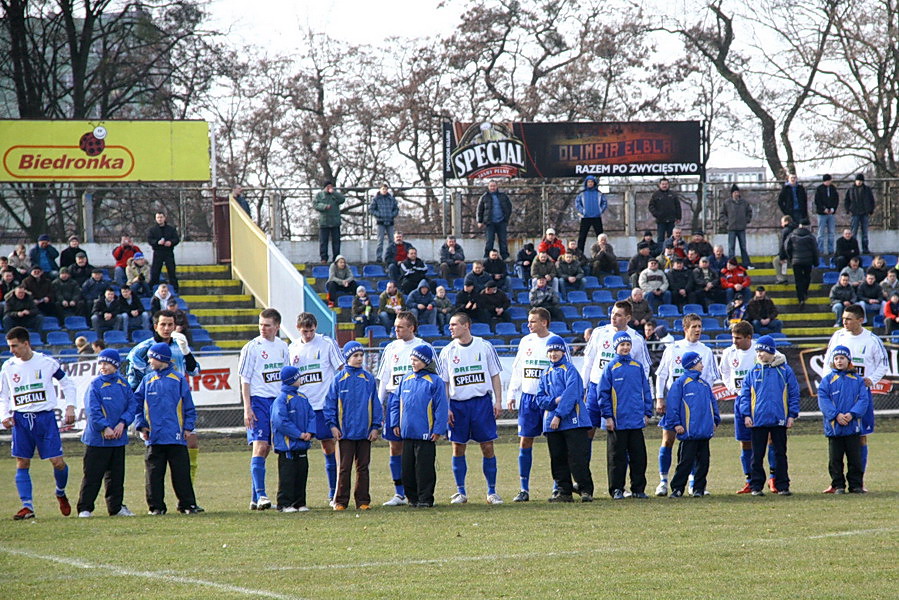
x=152, y=575
x=856, y=532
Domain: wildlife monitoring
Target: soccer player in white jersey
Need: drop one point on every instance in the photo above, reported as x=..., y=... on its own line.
x=736, y=362
x=395, y=363
x=259, y=369
x=870, y=359
x=318, y=358
x=669, y=370
x=475, y=393
x=27, y=403
x=530, y=363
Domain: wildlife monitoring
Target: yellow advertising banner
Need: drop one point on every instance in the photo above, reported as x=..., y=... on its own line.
x=104, y=151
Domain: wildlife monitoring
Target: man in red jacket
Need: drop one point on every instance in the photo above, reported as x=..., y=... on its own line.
x=734, y=280
x=121, y=254
x=551, y=245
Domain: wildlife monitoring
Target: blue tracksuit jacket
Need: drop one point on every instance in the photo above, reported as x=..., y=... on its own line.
x=624, y=394
x=292, y=416
x=561, y=380
x=842, y=392
x=109, y=402
x=165, y=406
x=692, y=405
x=138, y=365
x=590, y=203
x=770, y=394
x=420, y=406
x=352, y=404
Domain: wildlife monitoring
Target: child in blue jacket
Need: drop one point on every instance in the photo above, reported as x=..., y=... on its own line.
x=293, y=425
x=165, y=415
x=110, y=408
x=566, y=423
x=353, y=414
x=626, y=403
x=420, y=410
x=844, y=399
x=692, y=412
x=769, y=403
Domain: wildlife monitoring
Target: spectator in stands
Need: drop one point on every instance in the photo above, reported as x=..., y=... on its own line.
x=604, y=260
x=657, y=338
x=736, y=310
x=467, y=302
x=718, y=259
x=8, y=281
x=390, y=303
x=41, y=289
x=891, y=313
x=640, y=311
x=19, y=260
x=802, y=250
x=133, y=315
x=842, y=295
x=83, y=347
x=551, y=245
x=639, y=262
x=847, y=247
x=878, y=268
x=363, y=311
x=735, y=217
x=571, y=275
x=526, y=257
x=890, y=283
x=478, y=277
x=827, y=199
x=327, y=204
x=137, y=276
x=384, y=209
x=579, y=342
x=855, y=271
x=412, y=271
x=241, y=199
x=182, y=325
x=44, y=255
x=395, y=254
x=699, y=244
x=781, y=261
x=545, y=268
x=452, y=259
x=655, y=248
x=67, y=256
x=762, y=313
x=67, y=295
x=870, y=296
x=664, y=206
x=495, y=305
x=590, y=204
x=676, y=242
x=443, y=306
x=81, y=270
x=97, y=346
x=340, y=280
x=105, y=313
x=494, y=211
x=543, y=295
x=735, y=281
x=580, y=256
x=692, y=260
x=21, y=311
x=122, y=253
x=160, y=299
x=4, y=263
x=680, y=283
x=706, y=285
x=860, y=204
x=793, y=199
x=654, y=284
x=163, y=238
x=496, y=268
x=421, y=303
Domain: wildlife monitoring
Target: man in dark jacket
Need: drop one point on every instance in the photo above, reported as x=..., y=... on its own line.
x=44, y=255
x=21, y=311
x=494, y=211
x=452, y=259
x=412, y=271
x=638, y=263
x=827, y=199
x=384, y=208
x=706, y=284
x=860, y=204
x=802, y=250
x=846, y=249
x=395, y=254
x=680, y=283
x=163, y=238
x=327, y=203
x=762, y=313
x=41, y=289
x=67, y=294
x=664, y=206
x=780, y=262
x=793, y=199
x=495, y=304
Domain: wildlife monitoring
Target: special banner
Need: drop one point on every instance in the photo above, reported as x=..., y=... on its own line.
x=104, y=151
x=575, y=149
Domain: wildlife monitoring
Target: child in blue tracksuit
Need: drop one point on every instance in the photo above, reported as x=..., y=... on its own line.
x=165, y=415
x=293, y=425
x=692, y=412
x=769, y=403
x=353, y=414
x=110, y=408
x=566, y=423
x=626, y=403
x=844, y=399
x=420, y=411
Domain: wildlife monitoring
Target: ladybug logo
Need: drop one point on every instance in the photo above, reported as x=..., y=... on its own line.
x=677, y=360
x=736, y=362
x=264, y=355
x=456, y=359
x=93, y=142
x=16, y=378
x=606, y=345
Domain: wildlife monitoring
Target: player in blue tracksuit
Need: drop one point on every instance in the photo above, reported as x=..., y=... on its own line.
x=769, y=403
x=566, y=423
x=293, y=427
x=692, y=413
x=625, y=402
x=844, y=399
x=110, y=406
x=165, y=417
x=419, y=412
x=353, y=414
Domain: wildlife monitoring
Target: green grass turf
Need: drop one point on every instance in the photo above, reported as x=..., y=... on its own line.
x=724, y=546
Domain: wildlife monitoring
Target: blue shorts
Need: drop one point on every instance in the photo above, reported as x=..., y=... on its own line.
x=592, y=403
x=262, y=408
x=868, y=420
x=37, y=430
x=530, y=417
x=322, y=431
x=473, y=420
x=741, y=432
x=388, y=426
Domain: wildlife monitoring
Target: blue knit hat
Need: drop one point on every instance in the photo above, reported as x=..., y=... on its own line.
x=160, y=352
x=424, y=353
x=289, y=374
x=351, y=348
x=110, y=356
x=841, y=351
x=555, y=342
x=765, y=344
x=690, y=360
x=621, y=337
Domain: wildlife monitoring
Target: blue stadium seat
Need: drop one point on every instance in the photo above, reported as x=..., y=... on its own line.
x=451, y=296
x=524, y=329
x=481, y=329
x=591, y=282
x=506, y=329
x=200, y=336
x=580, y=326
x=89, y=334
x=431, y=272
x=523, y=298
x=559, y=327
x=59, y=338
x=146, y=303
x=660, y=322
x=438, y=281
x=890, y=260
x=668, y=310
x=192, y=320
x=382, y=285
x=717, y=310
x=878, y=321
x=344, y=301
x=75, y=323
x=593, y=312
x=458, y=284
x=711, y=324
x=623, y=294
x=68, y=355
x=438, y=344
x=428, y=330
x=321, y=272
x=602, y=297
x=705, y=337
x=355, y=271
x=211, y=350
x=139, y=335
x=517, y=285
x=383, y=344
x=36, y=341
x=723, y=340
x=577, y=297
x=830, y=278
x=50, y=324
x=867, y=259
x=613, y=282
x=373, y=272
x=376, y=331
x=622, y=266
x=518, y=312
x=570, y=312
x=694, y=308
x=115, y=336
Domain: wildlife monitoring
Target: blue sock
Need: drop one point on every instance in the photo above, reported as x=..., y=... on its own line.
x=257, y=473
x=62, y=478
x=23, y=485
x=331, y=471
x=460, y=470
x=489, y=466
x=746, y=461
x=772, y=460
x=253, y=494
x=664, y=462
x=396, y=472
x=864, y=458
x=525, y=460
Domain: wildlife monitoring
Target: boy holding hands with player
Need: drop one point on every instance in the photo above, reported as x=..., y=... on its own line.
x=293, y=426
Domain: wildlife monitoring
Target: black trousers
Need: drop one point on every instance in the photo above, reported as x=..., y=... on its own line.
x=419, y=470
x=690, y=453
x=335, y=290
x=323, y=234
x=803, y=274
x=167, y=258
x=569, y=456
x=176, y=458
x=293, y=470
x=586, y=224
x=103, y=464
x=760, y=449
x=626, y=447
x=849, y=446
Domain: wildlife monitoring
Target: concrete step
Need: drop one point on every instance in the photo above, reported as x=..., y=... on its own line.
x=232, y=330
x=201, y=271
x=211, y=286
x=221, y=301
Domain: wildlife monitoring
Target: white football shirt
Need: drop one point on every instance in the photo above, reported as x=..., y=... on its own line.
x=735, y=365
x=318, y=362
x=600, y=351
x=869, y=356
x=260, y=365
x=470, y=368
x=26, y=386
x=529, y=364
x=670, y=367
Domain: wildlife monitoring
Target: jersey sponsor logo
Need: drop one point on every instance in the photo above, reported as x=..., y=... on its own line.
x=397, y=378
x=271, y=376
x=532, y=373
x=312, y=377
x=469, y=379
x=30, y=398
x=30, y=386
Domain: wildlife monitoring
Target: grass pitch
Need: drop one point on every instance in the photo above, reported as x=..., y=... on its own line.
x=725, y=546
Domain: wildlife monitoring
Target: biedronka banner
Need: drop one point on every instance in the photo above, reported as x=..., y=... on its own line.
x=104, y=151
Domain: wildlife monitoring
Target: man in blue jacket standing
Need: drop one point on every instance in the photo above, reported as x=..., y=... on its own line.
x=494, y=211
x=590, y=204
x=384, y=208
